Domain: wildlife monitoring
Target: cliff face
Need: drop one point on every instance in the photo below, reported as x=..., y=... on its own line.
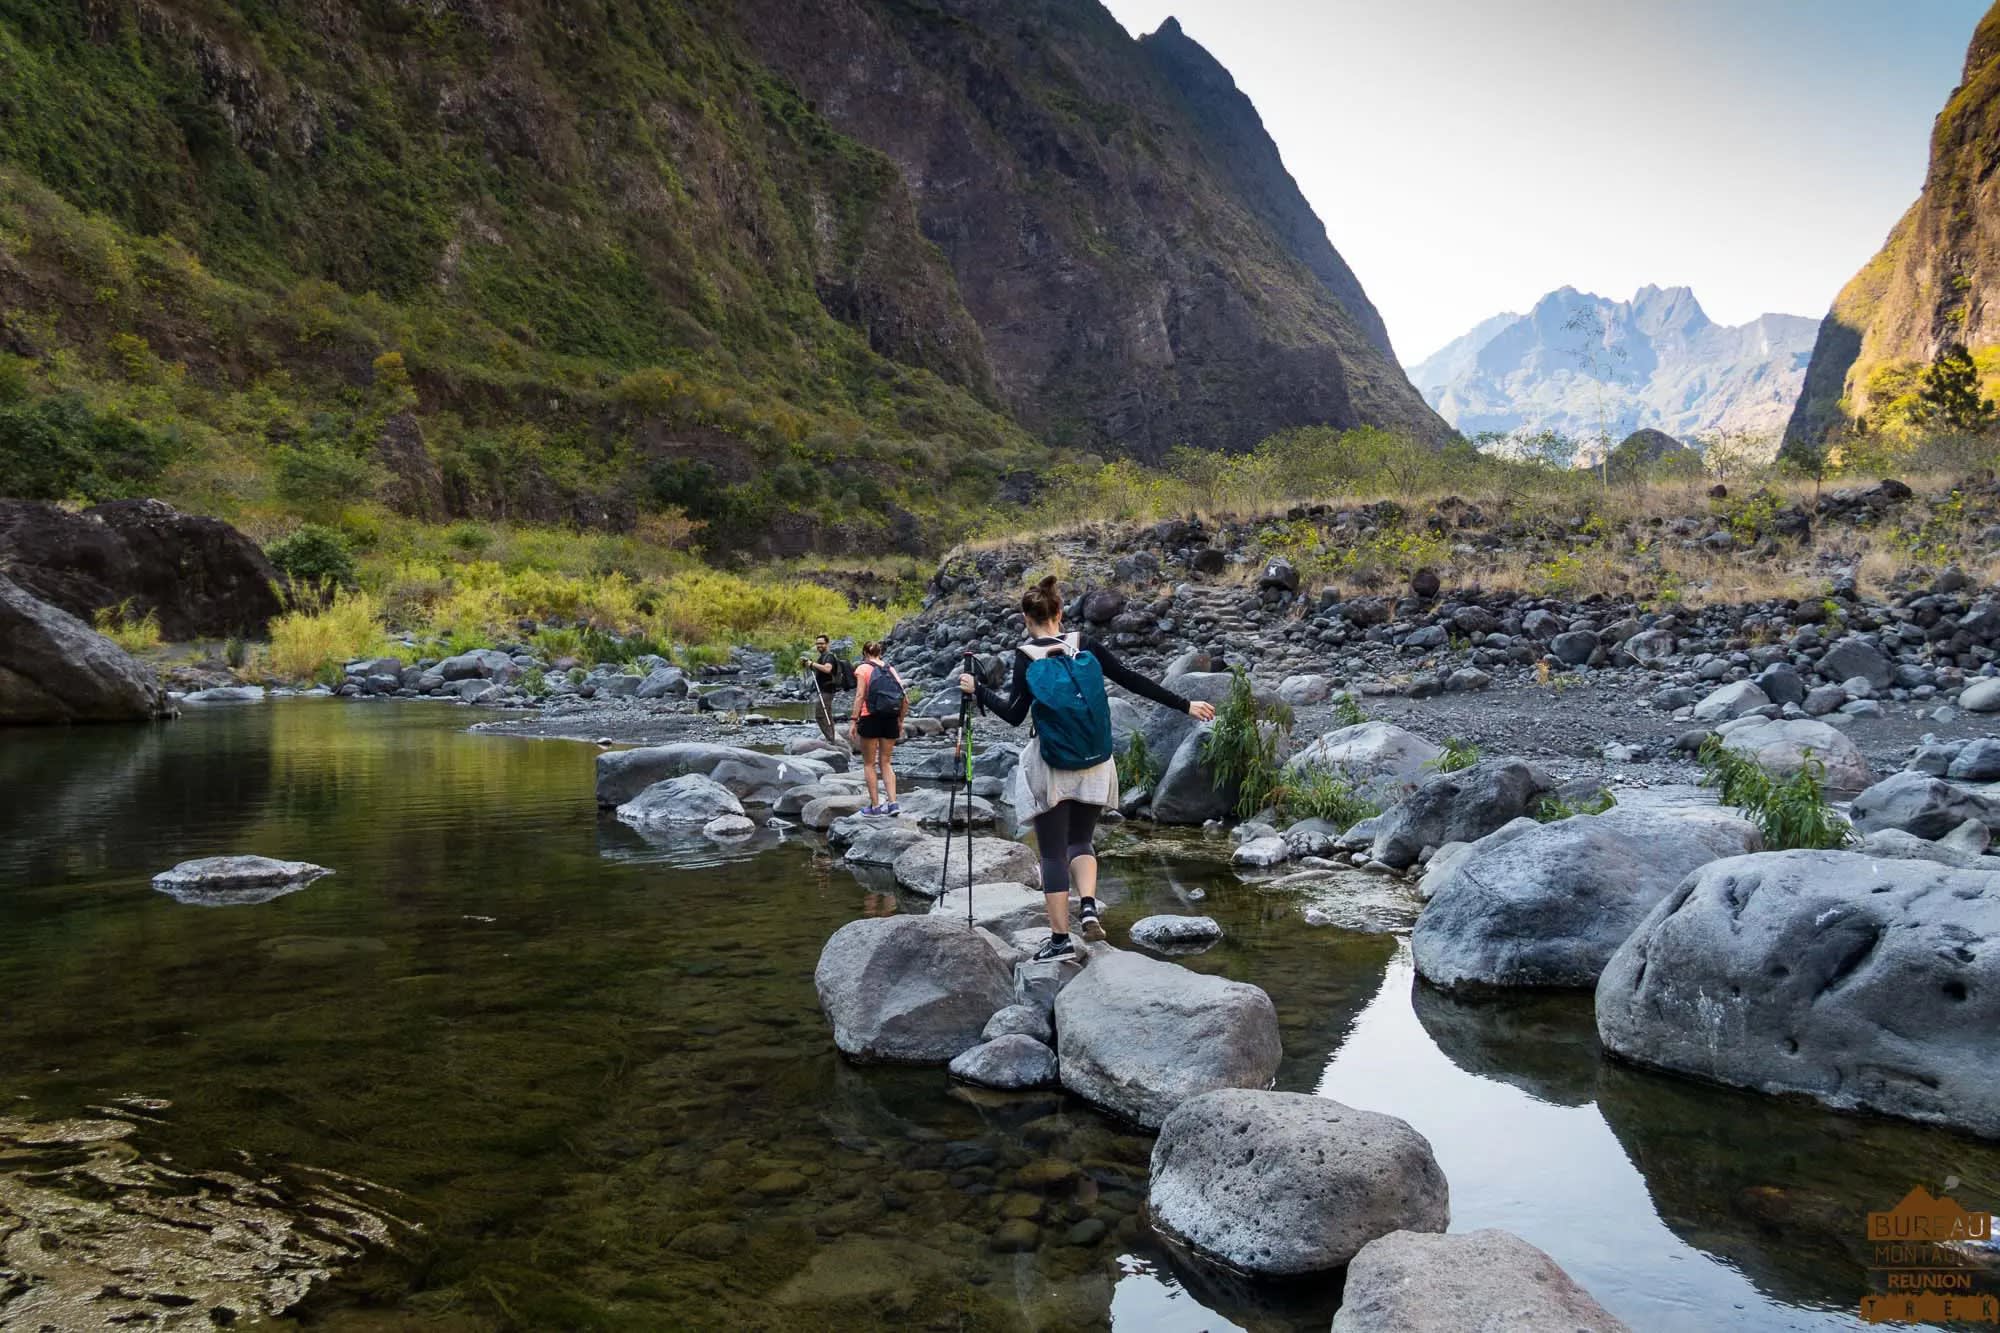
x=1656, y=361
x=1935, y=281
x=1141, y=266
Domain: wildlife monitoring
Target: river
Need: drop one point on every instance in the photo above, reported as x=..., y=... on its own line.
x=513, y=1066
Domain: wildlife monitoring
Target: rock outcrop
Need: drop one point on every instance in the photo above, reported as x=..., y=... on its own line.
x=55, y=668
x=1866, y=983
x=1282, y=1184
x=199, y=576
x=1137, y=1036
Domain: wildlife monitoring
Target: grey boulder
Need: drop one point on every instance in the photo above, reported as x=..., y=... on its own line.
x=687, y=799
x=1548, y=908
x=1979, y=761
x=623, y=774
x=1981, y=696
x=925, y=865
x=877, y=842
x=1282, y=1184
x=1176, y=934
x=1378, y=757
x=1020, y=1019
x=1780, y=748
x=1919, y=804
x=1012, y=1062
x=55, y=668
x=1897, y=845
x=1730, y=701
x=1865, y=983
x=1138, y=1036
x=1001, y=907
x=235, y=881
x=1855, y=656
x=909, y=989
x=1457, y=807
x=1486, y=1281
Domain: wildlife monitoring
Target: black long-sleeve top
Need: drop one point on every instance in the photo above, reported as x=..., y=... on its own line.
x=1012, y=707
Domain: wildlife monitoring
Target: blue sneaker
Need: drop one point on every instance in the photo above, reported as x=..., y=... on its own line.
x=893, y=808
x=869, y=810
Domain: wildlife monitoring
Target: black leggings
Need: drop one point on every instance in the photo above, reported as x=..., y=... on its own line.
x=1063, y=835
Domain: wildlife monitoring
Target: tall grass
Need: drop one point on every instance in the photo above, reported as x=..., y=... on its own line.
x=308, y=641
x=132, y=633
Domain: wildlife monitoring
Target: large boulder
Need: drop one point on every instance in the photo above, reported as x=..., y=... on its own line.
x=1188, y=791
x=1457, y=807
x=1138, y=1036
x=480, y=664
x=1919, y=804
x=924, y=866
x=55, y=668
x=1001, y=907
x=1855, y=656
x=1484, y=1281
x=1981, y=696
x=1780, y=747
x=878, y=842
x=1548, y=908
x=1380, y=758
x=1731, y=701
x=910, y=989
x=1866, y=983
x=198, y=576
x=687, y=799
x=623, y=774
x=1282, y=1184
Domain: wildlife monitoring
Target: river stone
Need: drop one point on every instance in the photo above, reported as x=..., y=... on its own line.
x=929, y=806
x=1281, y=1184
x=687, y=799
x=1866, y=983
x=623, y=774
x=1176, y=934
x=1001, y=907
x=796, y=799
x=667, y=682
x=55, y=668
x=1262, y=852
x=726, y=827
x=1457, y=807
x=1919, y=804
x=724, y=699
x=1779, y=748
x=1548, y=908
x=225, y=694
x=1900, y=846
x=1573, y=647
x=1300, y=691
x=880, y=842
x=235, y=881
x=1979, y=761
x=922, y=866
x=1855, y=656
x=479, y=664
x=1380, y=758
x=1730, y=701
x=909, y=989
x=822, y=811
x=1485, y=1281
x=1009, y=1063
x=1023, y=1019
x=1138, y=1036
x=1981, y=696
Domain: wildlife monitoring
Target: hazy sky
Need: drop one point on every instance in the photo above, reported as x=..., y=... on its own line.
x=1469, y=155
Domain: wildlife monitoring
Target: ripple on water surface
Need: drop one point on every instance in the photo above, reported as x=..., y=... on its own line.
x=586, y=1070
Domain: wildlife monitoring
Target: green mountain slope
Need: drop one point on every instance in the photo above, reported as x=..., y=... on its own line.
x=575, y=262
x=1935, y=280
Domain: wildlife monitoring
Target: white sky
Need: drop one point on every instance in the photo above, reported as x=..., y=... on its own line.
x=1468, y=156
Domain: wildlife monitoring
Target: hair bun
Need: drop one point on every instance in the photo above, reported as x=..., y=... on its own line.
x=1047, y=582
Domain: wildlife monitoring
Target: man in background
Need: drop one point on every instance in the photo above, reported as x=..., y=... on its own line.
x=831, y=675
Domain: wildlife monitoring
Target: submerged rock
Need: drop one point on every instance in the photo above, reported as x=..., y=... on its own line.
x=235, y=881
x=1549, y=906
x=1282, y=1184
x=1417, y=1282
x=1138, y=1036
x=1008, y=1062
x=909, y=989
x=1176, y=934
x=1865, y=983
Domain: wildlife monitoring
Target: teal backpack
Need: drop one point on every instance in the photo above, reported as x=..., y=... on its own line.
x=1072, y=714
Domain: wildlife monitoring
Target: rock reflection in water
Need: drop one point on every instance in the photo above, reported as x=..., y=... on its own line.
x=1543, y=1044
x=95, y=1235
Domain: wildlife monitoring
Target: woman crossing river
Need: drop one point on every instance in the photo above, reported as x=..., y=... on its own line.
x=1067, y=768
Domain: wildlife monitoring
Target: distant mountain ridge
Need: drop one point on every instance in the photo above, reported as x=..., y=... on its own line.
x=1579, y=362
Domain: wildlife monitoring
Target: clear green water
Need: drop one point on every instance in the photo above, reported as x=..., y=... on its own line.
x=586, y=1080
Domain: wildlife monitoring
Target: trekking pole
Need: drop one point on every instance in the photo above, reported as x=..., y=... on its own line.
x=965, y=742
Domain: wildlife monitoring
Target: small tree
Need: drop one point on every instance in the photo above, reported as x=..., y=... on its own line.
x=1948, y=393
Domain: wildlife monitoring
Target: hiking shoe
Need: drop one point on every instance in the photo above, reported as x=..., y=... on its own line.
x=893, y=808
x=1055, y=950
x=869, y=810
x=1093, y=929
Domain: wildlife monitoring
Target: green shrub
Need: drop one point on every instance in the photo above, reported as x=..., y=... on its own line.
x=313, y=554
x=319, y=477
x=1324, y=792
x=1136, y=766
x=1457, y=754
x=1243, y=747
x=235, y=652
x=1347, y=710
x=1790, y=814
x=57, y=449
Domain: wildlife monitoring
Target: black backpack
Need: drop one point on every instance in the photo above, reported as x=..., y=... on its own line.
x=885, y=692
x=843, y=673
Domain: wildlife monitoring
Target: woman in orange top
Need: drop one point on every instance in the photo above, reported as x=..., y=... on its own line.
x=880, y=704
